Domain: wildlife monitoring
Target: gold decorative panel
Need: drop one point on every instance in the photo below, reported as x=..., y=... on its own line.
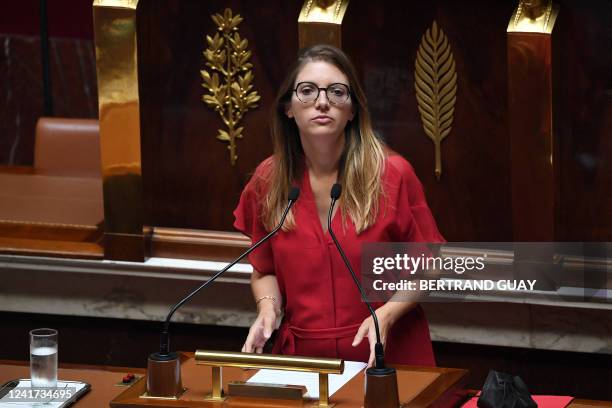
x=229, y=83
x=534, y=16
x=436, y=88
x=320, y=21
x=119, y=114
x=323, y=11
x=129, y=4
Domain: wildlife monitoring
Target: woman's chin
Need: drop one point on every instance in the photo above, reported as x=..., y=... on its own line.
x=324, y=136
x=324, y=130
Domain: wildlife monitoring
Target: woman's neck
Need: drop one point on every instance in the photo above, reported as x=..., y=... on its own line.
x=323, y=159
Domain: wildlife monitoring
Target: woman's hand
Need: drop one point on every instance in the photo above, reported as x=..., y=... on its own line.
x=367, y=329
x=262, y=328
x=387, y=315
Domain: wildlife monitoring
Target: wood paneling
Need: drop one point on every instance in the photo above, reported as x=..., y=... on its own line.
x=189, y=182
x=73, y=82
x=583, y=120
x=197, y=244
x=72, y=66
x=188, y=179
x=186, y=169
x=471, y=202
x=530, y=131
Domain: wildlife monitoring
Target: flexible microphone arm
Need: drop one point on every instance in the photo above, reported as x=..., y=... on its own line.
x=378, y=348
x=164, y=346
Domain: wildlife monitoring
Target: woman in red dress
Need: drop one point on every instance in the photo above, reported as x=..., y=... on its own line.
x=322, y=134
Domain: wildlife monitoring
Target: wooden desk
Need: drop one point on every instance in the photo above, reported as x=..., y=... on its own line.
x=38, y=198
x=103, y=380
x=50, y=215
x=421, y=385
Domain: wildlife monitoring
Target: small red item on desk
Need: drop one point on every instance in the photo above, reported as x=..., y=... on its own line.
x=130, y=376
x=543, y=401
x=126, y=379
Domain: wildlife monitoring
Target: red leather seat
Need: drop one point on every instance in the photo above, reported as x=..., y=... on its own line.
x=67, y=147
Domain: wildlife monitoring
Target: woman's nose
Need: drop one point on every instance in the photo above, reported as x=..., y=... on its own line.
x=322, y=102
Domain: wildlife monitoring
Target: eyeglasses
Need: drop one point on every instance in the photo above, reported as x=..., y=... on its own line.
x=337, y=94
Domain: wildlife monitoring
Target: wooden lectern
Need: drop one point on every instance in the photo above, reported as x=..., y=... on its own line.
x=418, y=387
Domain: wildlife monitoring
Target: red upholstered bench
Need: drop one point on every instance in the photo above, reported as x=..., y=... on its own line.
x=67, y=147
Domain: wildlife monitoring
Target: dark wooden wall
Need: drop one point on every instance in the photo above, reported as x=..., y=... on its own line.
x=188, y=180
x=72, y=65
x=190, y=183
x=583, y=113
x=472, y=200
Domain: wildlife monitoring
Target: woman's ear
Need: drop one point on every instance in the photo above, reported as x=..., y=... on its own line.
x=288, y=111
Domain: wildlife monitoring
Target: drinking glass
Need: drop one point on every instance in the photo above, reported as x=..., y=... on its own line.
x=43, y=357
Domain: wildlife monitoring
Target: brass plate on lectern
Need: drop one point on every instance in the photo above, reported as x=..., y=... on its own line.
x=274, y=361
x=322, y=366
x=211, y=398
x=261, y=390
x=147, y=396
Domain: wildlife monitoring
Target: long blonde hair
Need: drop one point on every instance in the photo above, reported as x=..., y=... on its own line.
x=362, y=161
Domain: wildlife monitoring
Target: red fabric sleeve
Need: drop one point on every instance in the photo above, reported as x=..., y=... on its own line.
x=248, y=221
x=414, y=218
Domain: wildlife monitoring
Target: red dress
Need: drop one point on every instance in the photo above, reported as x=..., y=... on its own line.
x=323, y=308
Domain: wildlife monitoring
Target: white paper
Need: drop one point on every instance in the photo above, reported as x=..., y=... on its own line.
x=310, y=380
x=44, y=403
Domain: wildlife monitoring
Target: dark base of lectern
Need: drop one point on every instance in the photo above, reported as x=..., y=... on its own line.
x=164, y=376
x=381, y=388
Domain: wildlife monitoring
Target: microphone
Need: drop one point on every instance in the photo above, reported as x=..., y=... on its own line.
x=381, y=381
x=164, y=341
x=379, y=352
x=164, y=354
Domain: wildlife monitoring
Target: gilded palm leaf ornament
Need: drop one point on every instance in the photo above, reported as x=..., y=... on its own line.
x=228, y=59
x=436, y=87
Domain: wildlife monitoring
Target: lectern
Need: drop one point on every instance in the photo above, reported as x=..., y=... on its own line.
x=418, y=386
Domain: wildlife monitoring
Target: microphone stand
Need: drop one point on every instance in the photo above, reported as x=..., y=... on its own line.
x=163, y=373
x=381, y=381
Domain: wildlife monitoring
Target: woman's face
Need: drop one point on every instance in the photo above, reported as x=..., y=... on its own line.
x=321, y=118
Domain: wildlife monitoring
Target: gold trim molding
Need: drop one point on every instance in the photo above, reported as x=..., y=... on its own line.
x=128, y=4
x=115, y=38
x=322, y=11
x=227, y=57
x=533, y=16
x=436, y=88
x=320, y=22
